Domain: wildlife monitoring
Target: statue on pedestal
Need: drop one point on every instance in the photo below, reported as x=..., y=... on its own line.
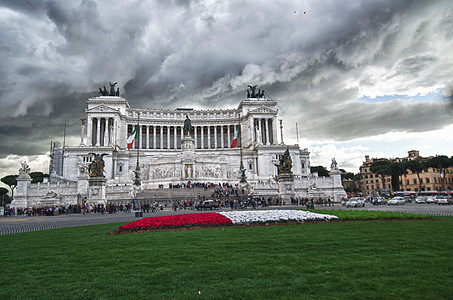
x=334, y=165
x=112, y=88
x=252, y=93
x=285, y=177
x=286, y=163
x=24, y=171
x=104, y=92
x=97, y=165
x=187, y=126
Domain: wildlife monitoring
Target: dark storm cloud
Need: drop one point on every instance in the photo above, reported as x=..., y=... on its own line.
x=31, y=134
x=55, y=54
x=365, y=119
x=28, y=7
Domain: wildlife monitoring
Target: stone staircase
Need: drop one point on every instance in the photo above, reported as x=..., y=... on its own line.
x=170, y=195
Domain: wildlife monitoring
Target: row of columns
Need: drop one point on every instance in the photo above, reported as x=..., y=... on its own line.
x=264, y=130
x=102, y=131
x=169, y=137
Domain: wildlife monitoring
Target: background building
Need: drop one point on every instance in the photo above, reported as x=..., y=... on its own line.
x=429, y=179
x=371, y=183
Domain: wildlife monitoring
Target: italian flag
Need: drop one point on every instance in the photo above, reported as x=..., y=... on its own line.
x=132, y=138
x=234, y=142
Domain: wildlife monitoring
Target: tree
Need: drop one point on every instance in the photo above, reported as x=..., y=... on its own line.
x=352, y=189
x=10, y=180
x=4, y=196
x=321, y=171
x=396, y=169
x=440, y=162
x=346, y=175
x=351, y=181
x=416, y=167
x=381, y=167
x=37, y=176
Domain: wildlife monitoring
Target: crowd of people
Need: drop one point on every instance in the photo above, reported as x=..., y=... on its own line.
x=228, y=196
x=86, y=208
x=260, y=202
x=227, y=203
x=56, y=210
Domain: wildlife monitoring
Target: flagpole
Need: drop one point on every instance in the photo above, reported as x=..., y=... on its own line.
x=51, y=158
x=64, y=135
x=281, y=131
x=243, y=180
x=138, y=181
x=116, y=132
x=62, y=149
x=138, y=139
x=240, y=137
x=297, y=134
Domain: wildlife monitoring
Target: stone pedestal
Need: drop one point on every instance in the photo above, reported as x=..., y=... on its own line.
x=96, y=190
x=338, y=192
x=82, y=185
x=187, y=144
x=82, y=188
x=21, y=192
x=188, y=158
x=286, y=187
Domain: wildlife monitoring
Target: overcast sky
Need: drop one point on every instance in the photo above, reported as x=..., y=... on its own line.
x=358, y=77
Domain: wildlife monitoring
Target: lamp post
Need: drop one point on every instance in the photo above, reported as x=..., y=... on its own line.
x=3, y=205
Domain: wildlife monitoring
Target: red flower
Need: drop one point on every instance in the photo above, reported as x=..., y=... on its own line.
x=187, y=220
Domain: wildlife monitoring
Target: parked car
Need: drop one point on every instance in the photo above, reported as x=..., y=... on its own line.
x=441, y=199
x=355, y=202
x=396, y=201
x=420, y=199
x=379, y=200
x=207, y=204
x=431, y=199
x=408, y=199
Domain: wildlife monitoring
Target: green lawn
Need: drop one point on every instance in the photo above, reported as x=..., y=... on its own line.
x=344, y=260
x=370, y=214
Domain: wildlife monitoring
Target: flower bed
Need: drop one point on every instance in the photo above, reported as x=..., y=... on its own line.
x=224, y=219
x=266, y=216
x=187, y=220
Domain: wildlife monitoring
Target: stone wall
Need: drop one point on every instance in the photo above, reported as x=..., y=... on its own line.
x=48, y=194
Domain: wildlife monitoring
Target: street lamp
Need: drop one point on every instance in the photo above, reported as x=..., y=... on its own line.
x=3, y=205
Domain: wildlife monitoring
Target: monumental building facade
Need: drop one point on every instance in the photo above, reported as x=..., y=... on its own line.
x=166, y=156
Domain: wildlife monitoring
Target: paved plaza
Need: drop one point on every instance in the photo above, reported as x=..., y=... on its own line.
x=422, y=209
x=19, y=224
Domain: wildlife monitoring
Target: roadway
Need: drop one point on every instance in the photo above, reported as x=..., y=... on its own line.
x=19, y=224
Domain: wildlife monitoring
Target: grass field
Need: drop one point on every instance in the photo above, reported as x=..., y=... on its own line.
x=344, y=260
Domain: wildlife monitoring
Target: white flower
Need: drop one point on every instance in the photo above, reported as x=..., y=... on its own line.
x=262, y=216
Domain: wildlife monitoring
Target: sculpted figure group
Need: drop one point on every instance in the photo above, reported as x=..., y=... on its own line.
x=104, y=92
x=97, y=165
x=24, y=170
x=286, y=163
x=252, y=93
